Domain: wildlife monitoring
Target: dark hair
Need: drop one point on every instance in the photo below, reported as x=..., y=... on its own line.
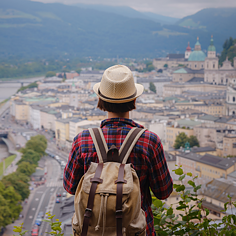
x=116, y=107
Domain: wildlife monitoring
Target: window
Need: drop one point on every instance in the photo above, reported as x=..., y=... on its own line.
x=213, y=65
x=233, y=99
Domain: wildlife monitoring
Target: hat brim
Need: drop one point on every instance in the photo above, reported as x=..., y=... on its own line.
x=139, y=91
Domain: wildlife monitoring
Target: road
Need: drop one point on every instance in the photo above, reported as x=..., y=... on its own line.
x=42, y=198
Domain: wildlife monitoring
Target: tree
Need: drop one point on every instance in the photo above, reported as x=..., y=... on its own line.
x=78, y=70
x=13, y=201
x=180, y=140
x=29, y=156
x=5, y=213
x=19, y=182
x=152, y=87
x=50, y=74
x=193, y=141
x=37, y=143
x=26, y=168
x=166, y=65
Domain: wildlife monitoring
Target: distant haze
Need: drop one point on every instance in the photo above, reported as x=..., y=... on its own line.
x=173, y=8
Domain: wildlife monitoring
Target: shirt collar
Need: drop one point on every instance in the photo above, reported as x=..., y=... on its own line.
x=119, y=122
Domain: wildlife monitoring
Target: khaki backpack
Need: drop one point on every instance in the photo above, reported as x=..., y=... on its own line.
x=108, y=198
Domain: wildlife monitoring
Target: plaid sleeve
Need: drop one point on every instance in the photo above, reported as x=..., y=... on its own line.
x=74, y=168
x=159, y=177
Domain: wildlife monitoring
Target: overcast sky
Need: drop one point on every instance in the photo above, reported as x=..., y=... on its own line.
x=173, y=8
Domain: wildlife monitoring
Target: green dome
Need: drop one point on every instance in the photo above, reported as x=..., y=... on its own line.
x=197, y=56
x=212, y=47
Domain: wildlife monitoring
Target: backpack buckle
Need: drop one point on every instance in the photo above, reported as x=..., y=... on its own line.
x=88, y=212
x=119, y=214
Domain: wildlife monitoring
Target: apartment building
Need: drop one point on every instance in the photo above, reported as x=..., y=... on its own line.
x=208, y=167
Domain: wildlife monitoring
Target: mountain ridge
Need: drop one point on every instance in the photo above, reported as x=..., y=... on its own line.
x=33, y=29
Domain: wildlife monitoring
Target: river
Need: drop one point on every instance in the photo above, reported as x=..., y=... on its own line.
x=9, y=89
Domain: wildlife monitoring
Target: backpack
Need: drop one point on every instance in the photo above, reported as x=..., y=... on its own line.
x=108, y=198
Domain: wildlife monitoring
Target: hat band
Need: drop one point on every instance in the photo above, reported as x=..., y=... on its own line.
x=117, y=99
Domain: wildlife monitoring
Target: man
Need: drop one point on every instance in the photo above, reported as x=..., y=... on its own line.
x=117, y=95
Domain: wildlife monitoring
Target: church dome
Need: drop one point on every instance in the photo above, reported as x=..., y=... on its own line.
x=197, y=54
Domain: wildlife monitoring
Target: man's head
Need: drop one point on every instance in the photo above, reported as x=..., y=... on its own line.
x=117, y=91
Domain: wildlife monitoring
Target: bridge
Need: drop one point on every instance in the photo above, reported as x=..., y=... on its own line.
x=15, y=82
x=3, y=134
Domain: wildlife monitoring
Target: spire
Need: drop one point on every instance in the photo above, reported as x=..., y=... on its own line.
x=188, y=48
x=211, y=47
x=197, y=45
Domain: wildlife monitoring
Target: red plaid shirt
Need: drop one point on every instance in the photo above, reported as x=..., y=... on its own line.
x=147, y=157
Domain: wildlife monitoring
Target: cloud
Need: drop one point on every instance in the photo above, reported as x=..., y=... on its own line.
x=173, y=8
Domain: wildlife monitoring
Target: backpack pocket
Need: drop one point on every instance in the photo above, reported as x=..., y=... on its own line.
x=75, y=226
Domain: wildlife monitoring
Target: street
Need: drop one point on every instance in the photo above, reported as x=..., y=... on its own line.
x=42, y=198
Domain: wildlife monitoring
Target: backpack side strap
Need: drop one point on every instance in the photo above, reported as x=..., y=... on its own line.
x=99, y=143
x=129, y=142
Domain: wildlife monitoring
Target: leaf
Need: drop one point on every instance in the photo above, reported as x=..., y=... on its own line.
x=188, y=199
x=225, y=205
x=158, y=203
x=207, y=211
x=190, y=174
x=180, y=188
x=170, y=211
x=182, y=177
x=190, y=182
x=178, y=171
x=17, y=230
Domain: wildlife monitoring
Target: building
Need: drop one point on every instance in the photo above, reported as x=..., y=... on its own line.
x=230, y=105
x=215, y=74
x=208, y=167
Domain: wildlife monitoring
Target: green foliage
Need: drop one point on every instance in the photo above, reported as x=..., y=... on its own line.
x=29, y=156
x=26, y=168
x=19, y=182
x=229, y=50
x=9, y=205
x=32, y=85
x=19, y=229
x=152, y=87
x=182, y=138
x=193, y=141
x=36, y=143
x=194, y=219
x=50, y=74
x=166, y=65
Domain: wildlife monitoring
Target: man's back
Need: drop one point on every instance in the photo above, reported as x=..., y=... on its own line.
x=147, y=158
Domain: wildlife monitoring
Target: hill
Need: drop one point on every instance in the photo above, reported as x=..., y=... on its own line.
x=130, y=12
x=37, y=30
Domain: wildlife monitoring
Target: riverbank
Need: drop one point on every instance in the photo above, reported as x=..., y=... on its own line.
x=40, y=75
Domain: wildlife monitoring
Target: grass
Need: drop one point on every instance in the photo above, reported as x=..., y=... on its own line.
x=8, y=162
x=3, y=102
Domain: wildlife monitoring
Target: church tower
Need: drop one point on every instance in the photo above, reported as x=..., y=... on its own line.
x=211, y=64
x=187, y=52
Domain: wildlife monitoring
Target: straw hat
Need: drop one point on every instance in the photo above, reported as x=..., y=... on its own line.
x=117, y=85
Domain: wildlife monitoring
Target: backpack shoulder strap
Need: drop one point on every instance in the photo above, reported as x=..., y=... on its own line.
x=99, y=143
x=129, y=142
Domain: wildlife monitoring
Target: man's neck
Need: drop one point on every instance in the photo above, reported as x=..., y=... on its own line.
x=118, y=115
